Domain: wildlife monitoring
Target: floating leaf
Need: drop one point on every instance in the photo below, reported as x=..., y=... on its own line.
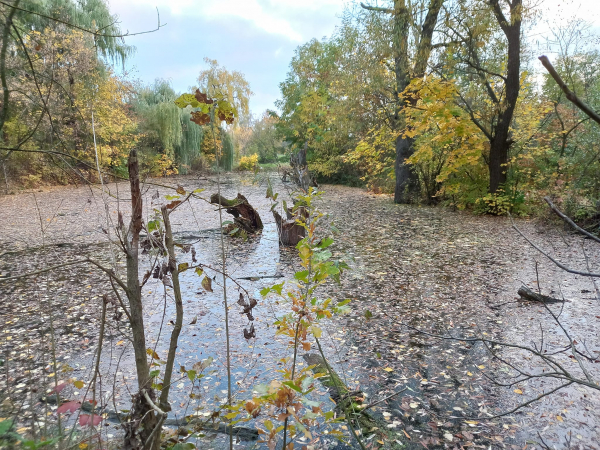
x=68, y=407
x=85, y=419
x=59, y=387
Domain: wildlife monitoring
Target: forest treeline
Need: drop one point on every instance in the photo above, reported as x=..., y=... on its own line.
x=436, y=101
x=68, y=109
x=446, y=101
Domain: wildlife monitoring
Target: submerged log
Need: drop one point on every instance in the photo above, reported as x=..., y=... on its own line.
x=245, y=216
x=528, y=294
x=347, y=402
x=243, y=433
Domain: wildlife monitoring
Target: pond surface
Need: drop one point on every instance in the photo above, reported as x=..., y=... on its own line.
x=413, y=269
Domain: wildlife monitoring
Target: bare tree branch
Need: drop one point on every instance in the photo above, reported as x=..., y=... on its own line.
x=569, y=221
x=377, y=8
x=570, y=94
x=562, y=266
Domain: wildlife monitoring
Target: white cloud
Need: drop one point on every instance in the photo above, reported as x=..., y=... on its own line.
x=281, y=17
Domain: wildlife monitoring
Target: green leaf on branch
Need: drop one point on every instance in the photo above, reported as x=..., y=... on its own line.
x=293, y=386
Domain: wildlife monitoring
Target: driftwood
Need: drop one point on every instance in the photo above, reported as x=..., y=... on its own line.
x=245, y=216
x=528, y=294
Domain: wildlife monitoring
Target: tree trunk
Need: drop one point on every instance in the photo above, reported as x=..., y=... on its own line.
x=497, y=166
x=134, y=295
x=406, y=189
x=300, y=174
x=164, y=395
x=501, y=141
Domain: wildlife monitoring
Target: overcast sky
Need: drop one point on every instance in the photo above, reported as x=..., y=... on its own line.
x=256, y=37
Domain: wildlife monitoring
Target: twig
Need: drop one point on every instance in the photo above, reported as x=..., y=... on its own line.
x=383, y=400
x=562, y=266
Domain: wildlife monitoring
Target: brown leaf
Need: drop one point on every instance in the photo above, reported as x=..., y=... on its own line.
x=251, y=333
x=198, y=117
x=203, y=98
x=180, y=190
x=173, y=204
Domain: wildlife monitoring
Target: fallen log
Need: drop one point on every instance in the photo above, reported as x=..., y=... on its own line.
x=243, y=433
x=528, y=294
x=245, y=216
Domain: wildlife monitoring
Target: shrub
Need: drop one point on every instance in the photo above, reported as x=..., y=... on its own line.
x=249, y=162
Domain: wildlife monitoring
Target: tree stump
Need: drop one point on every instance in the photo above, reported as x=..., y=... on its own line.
x=245, y=216
x=290, y=232
x=300, y=174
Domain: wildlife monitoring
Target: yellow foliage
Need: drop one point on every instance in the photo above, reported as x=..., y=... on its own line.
x=249, y=162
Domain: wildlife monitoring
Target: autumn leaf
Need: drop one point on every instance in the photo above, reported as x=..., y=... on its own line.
x=78, y=384
x=59, y=387
x=173, y=204
x=203, y=98
x=152, y=353
x=68, y=407
x=207, y=284
x=85, y=419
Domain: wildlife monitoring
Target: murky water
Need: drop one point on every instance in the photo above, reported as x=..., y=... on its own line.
x=434, y=270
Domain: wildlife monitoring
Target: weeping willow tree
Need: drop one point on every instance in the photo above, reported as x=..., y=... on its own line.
x=93, y=15
x=191, y=140
x=167, y=129
x=228, y=152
